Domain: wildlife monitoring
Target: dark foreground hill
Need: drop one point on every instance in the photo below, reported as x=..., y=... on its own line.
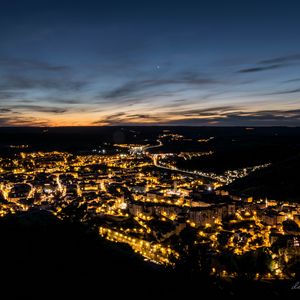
x=41, y=254
x=43, y=257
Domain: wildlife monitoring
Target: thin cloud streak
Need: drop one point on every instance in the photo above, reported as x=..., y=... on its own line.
x=259, y=69
x=221, y=116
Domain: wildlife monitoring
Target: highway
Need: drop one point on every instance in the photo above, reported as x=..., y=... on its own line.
x=156, y=164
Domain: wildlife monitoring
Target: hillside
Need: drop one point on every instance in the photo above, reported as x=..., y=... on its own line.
x=42, y=256
x=279, y=181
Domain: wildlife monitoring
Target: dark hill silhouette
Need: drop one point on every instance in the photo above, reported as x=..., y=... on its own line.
x=39, y=251
x=279, y=181
x=42, y=256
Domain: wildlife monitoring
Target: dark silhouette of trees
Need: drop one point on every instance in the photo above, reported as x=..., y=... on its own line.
x=290, y=226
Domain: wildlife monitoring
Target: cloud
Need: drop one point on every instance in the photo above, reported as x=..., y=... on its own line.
x=292, y=80
x=140, y=116
x=292, y=91
x=19, y=78
x=22, y=121
x=10, y=95
x=34, y=81
x=207, y=111
x=43, y=109
x=29, y=64
x=65, y=101
x=33, y=108
x=271, y=64
x=259, y=69
x=133, y=88
x=124, y=90
x=55, y=99
x=281, y=59
x=217, y=116
x=111, y=119
x=242, y=118
x=180, y=100
x=4, y=110
x=123, y=118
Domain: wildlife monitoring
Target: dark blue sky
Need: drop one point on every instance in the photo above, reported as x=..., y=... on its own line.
x=149, y=62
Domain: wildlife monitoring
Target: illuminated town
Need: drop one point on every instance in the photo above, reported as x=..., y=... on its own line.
x=133, y=194
x=149, y=149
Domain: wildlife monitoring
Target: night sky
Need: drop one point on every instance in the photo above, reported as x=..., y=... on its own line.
x=65, y=63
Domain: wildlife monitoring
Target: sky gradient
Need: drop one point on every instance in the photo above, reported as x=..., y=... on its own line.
x=67, y=63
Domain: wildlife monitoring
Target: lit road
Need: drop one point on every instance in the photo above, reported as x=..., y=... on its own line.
x=154, y=146
x=156, y=164
x=154, y=158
